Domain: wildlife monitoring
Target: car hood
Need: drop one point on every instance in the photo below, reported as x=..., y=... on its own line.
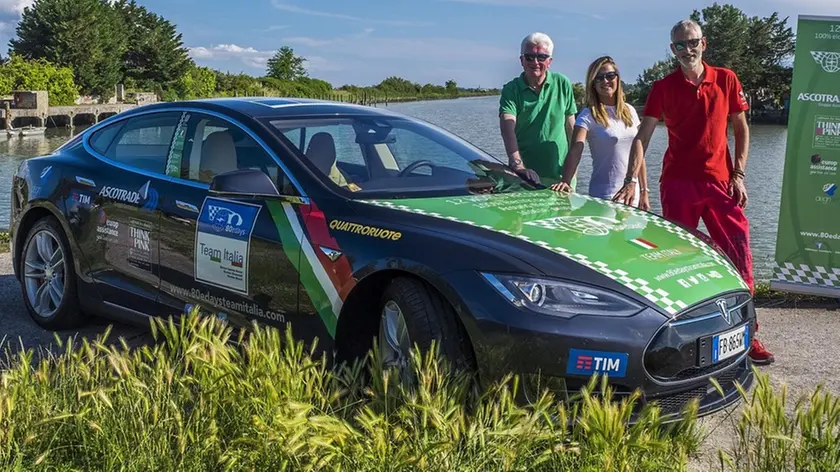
x=659, y=260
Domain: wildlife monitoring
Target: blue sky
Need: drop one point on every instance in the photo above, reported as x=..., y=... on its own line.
x=474, y=42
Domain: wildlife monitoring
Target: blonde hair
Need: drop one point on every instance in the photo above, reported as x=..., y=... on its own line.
x=599, y=111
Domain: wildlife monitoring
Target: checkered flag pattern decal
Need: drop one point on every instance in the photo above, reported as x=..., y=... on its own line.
x=658, y=296
x=803, y=273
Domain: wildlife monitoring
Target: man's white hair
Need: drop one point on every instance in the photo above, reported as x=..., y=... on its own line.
x=537, y=39
x=685, y=25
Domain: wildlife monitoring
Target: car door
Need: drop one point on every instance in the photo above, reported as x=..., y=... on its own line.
x=120, y=234
x=228, y=254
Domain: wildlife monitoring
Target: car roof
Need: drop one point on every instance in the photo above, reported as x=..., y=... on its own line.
x=274, y=107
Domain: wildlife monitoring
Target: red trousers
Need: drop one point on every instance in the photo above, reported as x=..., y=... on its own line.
x=686, y=201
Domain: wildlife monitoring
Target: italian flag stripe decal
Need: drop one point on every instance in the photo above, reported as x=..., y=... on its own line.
x=313, y=277
x=643, y=243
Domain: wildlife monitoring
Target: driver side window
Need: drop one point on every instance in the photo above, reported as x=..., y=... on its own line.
x=214, y=146
x=410, y=147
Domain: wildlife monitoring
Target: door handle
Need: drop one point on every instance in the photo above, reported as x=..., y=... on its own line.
x=186, y=206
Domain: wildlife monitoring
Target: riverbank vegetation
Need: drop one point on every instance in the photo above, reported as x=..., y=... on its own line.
x=192, y=400
x=103, y=44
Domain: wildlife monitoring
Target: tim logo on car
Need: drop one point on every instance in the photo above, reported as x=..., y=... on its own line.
x=222, y=243
x=581, y=362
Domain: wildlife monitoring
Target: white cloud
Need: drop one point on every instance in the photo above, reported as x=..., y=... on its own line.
x=341, y=16
x=225, y=52
x=4, y=26
x=412, y=49
x=255, y=58
x=14, y=6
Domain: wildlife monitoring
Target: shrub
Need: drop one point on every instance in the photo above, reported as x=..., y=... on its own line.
x=194, y=400
x=771, y=439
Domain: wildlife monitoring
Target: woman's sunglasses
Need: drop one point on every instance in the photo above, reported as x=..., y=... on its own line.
x=609, y=76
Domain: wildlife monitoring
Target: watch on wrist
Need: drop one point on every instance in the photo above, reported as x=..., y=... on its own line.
x=631, y=179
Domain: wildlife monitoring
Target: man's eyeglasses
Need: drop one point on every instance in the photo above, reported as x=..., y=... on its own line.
x=538, y=57
x=609, y=76
x=691, y=43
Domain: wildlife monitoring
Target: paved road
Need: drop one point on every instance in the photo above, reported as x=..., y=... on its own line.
x=804, y=341
x=17, y=330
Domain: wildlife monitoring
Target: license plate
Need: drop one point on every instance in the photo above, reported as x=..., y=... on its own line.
x=730, y=343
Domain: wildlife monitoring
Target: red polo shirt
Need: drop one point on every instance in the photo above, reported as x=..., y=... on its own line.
x=697, y=121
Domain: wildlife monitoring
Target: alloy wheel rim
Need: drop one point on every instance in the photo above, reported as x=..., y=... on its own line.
x=44, y=272
x=394, y=341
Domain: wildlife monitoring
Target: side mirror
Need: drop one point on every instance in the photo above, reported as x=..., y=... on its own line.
x=244, y=182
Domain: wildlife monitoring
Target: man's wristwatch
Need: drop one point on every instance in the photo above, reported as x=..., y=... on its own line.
x=631, y=179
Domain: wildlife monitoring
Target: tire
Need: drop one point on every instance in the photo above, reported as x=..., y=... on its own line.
x=428, y=318
x=57, y=309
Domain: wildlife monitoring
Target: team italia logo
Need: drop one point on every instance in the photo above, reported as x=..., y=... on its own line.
x=828, y=60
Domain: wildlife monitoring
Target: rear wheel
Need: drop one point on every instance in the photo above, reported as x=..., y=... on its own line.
x=48, y=279
x=412, y=312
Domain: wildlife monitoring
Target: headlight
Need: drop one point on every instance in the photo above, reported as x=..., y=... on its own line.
x=552, y=297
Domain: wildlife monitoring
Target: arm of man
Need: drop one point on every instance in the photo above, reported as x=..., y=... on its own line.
x=570, y=129
x=644, y=194
x=738, y=105
x=637, y=156
x=507, y=125
x=742, y=147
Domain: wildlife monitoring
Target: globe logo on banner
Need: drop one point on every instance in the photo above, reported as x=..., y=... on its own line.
x=829, y=61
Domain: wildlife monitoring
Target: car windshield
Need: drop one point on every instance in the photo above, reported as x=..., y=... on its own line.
x=372, y=157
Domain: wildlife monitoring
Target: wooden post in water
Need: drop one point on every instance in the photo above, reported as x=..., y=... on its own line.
x=8, y=116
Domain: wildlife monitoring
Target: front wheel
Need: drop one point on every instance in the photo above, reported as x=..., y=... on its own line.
x=48, y=279
x=413, y=313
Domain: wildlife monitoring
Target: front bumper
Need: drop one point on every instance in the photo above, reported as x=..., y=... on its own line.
x=667, y=360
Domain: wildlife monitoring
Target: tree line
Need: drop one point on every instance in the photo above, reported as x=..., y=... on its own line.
x=87, y=47
x=758, y=49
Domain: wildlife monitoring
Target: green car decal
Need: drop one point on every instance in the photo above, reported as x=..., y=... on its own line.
x=648, y=254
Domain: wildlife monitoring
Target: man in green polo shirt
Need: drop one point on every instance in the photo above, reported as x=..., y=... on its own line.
x=537, y=114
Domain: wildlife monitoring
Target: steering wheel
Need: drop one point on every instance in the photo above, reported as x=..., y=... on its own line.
x=410, y=168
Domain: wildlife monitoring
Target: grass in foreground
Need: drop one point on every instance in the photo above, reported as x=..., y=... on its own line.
x=194, y=401
x=5, y=242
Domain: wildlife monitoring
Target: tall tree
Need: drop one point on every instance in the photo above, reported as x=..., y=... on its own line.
x=650, y=75
x=755, y=48
x=285, y=65
x=85, y=35
x=155, y=58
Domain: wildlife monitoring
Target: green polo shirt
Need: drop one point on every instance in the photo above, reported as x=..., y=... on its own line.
x=541, y=122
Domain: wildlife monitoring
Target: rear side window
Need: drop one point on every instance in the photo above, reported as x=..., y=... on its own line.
x=101, y=139
x=143, y=142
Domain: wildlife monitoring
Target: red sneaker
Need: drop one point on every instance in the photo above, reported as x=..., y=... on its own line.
x=759, y=355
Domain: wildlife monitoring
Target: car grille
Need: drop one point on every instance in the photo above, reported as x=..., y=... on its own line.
x=677, y=352
x=672, y=404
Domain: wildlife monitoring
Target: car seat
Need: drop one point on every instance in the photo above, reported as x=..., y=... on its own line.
x=218, y=155
x=321, y=152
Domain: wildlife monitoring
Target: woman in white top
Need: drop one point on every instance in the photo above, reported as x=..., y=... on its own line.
x=609, y=125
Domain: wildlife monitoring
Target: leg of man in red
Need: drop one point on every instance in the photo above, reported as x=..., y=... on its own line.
x=729, y=228
x=681, y=202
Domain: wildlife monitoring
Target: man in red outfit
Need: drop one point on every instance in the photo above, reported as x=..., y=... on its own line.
x=699, y=179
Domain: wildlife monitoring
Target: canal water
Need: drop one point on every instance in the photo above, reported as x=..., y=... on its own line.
x=476, y=120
